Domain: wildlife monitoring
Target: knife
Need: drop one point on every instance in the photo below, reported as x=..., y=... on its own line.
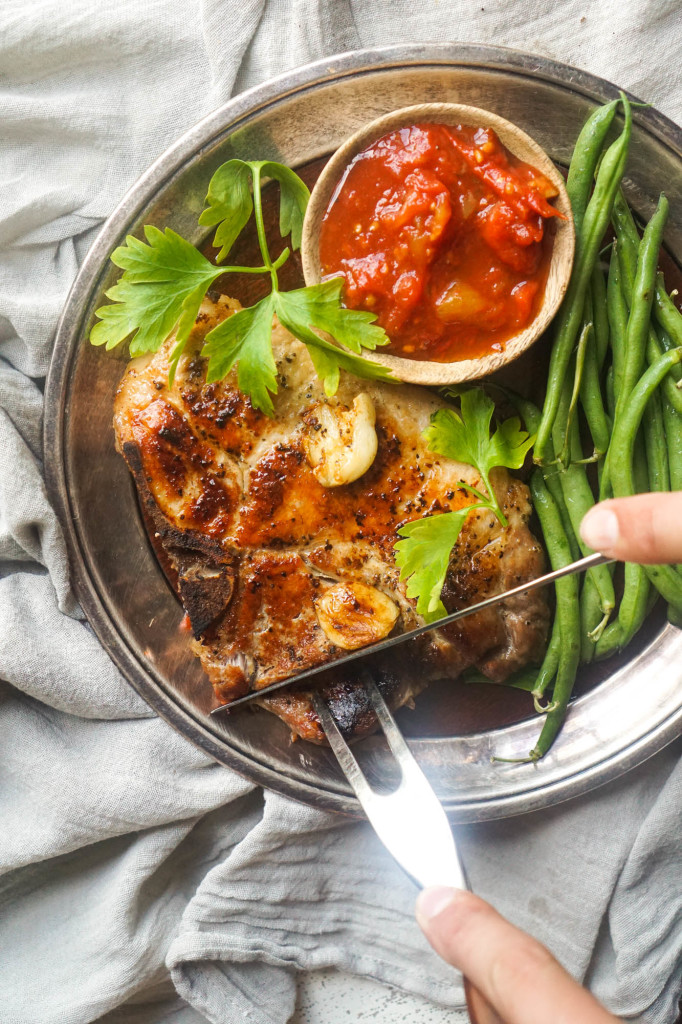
x=393, y=641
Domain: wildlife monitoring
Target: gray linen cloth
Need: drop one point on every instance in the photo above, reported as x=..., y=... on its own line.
x=127, y=857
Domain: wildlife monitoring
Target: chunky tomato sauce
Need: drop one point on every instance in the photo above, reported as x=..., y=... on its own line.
x=442, y=233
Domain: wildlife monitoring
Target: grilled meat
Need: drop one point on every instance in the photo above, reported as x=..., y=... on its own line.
x=280, y=532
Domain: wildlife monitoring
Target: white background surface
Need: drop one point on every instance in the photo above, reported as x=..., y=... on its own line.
x=333, y=997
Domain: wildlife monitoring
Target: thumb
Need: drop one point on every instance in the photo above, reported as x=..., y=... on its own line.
x=517, y=976
x=644, y=528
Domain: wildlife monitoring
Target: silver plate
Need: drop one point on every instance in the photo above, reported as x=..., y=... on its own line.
x=295, y=118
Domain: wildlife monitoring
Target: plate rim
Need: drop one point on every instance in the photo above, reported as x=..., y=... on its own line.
x=222, y=120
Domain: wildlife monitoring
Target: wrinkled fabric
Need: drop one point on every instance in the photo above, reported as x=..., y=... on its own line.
x=139, y=881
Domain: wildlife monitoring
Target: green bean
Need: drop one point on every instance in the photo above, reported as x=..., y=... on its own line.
x=641, y=295
x=655, y=442
x=549, y=666
x=531, y=415
x=624, y=224
x=654, y=351
x=578, y=499
x=554, y=487
x=527, y=410
x=640, y=469
x=595, y=221
x=592, y=620
x=631, y=613
x=636, y=602
x=669, y=317
x=656, y=426
x=618, y=317
x=591, y=394
x=668, y=583
x=628, y=237
x=591, y=397
x=664, y=309
x=675, y=616
x=610, y=391
x=588, y=312
x=586, y=153
x=672, y=431
x=562, y=424
x=671, y=389
x=637, y=271
x=567, y=612
x=664, y=577
x=599, y=316
x=612, y=639
x=666, y=343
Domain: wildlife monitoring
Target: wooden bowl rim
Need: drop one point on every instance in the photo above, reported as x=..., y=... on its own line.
x=519, y=143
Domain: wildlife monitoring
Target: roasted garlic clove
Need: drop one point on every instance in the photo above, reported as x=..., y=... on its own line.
x=354, y=615
x=340, y=443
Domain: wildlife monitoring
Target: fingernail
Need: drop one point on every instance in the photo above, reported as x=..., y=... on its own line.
x=600, y=529
x=432, y=902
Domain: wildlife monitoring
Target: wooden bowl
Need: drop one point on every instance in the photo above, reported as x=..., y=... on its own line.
x=522, y=146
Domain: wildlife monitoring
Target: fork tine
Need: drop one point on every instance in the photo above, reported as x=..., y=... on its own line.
x=394, y=737
x=344, y=755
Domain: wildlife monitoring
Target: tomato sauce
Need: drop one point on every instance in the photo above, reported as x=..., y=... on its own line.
x=442, y=233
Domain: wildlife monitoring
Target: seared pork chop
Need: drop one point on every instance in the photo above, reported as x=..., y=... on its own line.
x=280, y=532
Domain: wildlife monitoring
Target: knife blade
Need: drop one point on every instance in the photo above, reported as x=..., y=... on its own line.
x=393, y=641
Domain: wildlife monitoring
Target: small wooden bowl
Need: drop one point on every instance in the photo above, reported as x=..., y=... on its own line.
x=517, y=142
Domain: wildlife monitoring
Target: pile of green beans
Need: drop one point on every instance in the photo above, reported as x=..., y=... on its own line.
x=613, y=400
x=591, y=218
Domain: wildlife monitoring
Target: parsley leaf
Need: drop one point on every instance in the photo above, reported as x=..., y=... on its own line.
x=293, y=200
x=230, y=204
x=510, y=444
x=466, y=438
x=162, y=288
x=164, y=282
x=423, y=557
x=245, y=338
x=319, y=306
x=524, y=679
x=424, y=554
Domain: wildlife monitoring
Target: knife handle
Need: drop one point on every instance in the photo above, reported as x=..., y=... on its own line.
x=480, y=1010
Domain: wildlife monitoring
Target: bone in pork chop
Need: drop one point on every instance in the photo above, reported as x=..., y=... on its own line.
x=280, y=532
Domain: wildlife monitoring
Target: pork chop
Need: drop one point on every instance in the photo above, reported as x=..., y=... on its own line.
x=279, y=532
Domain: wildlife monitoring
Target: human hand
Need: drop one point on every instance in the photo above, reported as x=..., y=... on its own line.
x=644, y=528
x=516, y=975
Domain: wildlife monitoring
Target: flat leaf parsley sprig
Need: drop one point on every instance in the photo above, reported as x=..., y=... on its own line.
x=423, y=555
x=165, y=281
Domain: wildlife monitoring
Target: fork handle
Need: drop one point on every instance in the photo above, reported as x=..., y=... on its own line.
x=480, y=1010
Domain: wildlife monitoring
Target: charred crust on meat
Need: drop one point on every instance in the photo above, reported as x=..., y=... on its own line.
x=205, y=588
x=202, y=572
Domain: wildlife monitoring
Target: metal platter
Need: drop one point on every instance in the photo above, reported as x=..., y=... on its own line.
x=631, y=714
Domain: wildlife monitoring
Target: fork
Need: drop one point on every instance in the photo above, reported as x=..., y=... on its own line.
x=410, y=821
